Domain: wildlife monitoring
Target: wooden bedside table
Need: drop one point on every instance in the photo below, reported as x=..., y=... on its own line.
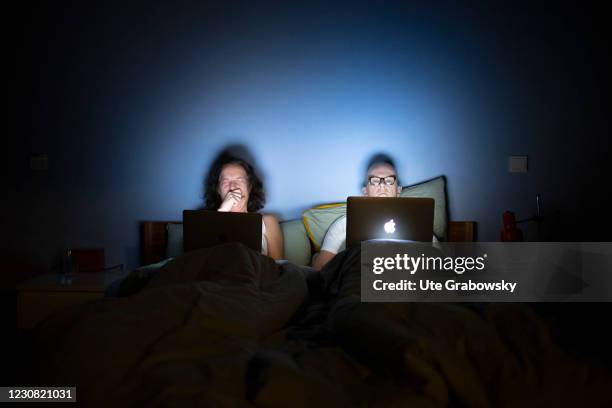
x=44, y=295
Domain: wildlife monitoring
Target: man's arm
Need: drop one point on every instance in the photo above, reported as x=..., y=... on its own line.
x=332, y=244
x=322, y=258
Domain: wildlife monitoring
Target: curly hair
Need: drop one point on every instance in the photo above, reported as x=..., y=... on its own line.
x=212, y=199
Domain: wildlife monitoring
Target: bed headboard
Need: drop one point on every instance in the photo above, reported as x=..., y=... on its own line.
x=154, y=238
x=153, y=241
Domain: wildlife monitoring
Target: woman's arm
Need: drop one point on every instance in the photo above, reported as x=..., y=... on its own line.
x=274, y=235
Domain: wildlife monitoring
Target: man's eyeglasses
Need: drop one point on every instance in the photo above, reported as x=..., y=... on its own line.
x=377, y=181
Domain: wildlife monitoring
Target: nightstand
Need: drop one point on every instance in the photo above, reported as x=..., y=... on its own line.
x=44, y=295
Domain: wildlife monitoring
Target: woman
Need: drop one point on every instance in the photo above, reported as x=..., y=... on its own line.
x=233, y=186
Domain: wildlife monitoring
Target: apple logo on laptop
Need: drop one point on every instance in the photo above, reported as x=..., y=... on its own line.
x=390, y=227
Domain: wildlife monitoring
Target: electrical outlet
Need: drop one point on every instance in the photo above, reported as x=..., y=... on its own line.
x=517, y=164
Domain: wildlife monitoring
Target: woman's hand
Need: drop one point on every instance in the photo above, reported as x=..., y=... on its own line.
x=231, y=199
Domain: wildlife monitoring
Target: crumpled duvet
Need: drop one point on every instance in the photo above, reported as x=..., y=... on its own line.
x=228, y=327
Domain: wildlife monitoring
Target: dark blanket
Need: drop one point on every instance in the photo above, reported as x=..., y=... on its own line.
x=227, y=326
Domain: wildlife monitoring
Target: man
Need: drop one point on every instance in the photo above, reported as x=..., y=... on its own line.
x=381, y=181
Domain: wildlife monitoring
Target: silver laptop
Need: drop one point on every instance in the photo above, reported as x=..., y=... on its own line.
x=401, y=218
x=204, y=229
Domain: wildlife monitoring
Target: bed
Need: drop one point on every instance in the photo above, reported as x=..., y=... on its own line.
x=229, y=327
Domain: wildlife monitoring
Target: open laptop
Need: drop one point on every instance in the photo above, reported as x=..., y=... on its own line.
x=204, y=228
x=403, y=218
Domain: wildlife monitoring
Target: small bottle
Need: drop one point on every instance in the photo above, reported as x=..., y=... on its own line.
x=68, y=267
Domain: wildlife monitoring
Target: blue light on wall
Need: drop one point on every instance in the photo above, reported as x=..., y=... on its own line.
x=132, y=105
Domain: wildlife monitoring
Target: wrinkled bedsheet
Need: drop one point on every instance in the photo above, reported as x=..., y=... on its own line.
x=228, y=327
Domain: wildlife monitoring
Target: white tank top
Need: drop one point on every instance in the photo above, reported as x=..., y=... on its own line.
x=264, y=240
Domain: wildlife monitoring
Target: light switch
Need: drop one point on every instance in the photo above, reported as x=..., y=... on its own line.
x=517, y=164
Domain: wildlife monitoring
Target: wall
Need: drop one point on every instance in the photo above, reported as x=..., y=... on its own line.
x=130, y=103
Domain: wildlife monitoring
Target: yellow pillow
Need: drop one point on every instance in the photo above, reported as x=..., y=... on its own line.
x=318, y=219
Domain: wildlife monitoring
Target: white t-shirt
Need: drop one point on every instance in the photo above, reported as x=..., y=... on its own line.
x=335, y=238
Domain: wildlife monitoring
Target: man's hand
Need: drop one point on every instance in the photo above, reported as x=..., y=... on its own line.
x=231, y=199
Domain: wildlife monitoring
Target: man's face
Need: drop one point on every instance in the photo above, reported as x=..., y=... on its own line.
x=380, y=188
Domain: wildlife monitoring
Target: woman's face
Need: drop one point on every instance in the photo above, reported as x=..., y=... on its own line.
x=233, y=177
